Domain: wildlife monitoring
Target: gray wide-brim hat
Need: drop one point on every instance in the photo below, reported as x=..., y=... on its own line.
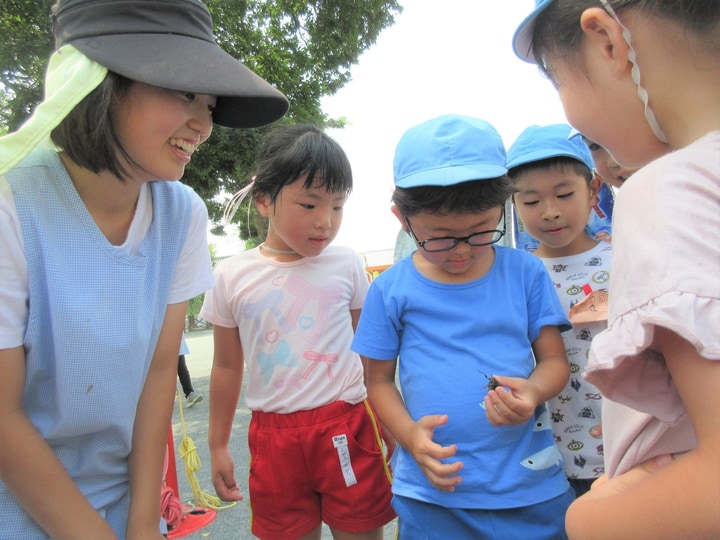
x=170, y=44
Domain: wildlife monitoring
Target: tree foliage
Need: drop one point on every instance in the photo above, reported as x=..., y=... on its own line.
x=26, y=43
x=304, y=48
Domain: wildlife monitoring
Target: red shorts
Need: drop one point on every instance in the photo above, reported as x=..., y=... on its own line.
x=322, y=465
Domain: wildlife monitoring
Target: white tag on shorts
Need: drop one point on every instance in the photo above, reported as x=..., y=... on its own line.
x=341, y=443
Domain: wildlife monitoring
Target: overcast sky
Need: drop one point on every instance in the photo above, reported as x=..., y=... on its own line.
x=440, y=57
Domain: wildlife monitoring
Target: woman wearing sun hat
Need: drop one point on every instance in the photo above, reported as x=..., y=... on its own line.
x=101, y=248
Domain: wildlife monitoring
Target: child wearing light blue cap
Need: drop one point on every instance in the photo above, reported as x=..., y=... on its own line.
x=555, y=190
x=475, y=330
x=553, y=141
x=640, y=78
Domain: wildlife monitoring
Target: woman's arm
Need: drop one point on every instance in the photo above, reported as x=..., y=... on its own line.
x=150, y=432
x=681, y=499
x=225, y=384
x=30, y=469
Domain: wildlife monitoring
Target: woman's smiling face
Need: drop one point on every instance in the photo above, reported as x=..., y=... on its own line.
x=160, y=129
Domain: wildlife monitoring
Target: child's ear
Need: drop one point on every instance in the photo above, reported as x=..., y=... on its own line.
x=604, y=36
x=596, y=183
x=396, y=212
x=262, y=201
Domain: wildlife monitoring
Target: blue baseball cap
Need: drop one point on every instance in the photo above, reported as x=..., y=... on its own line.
x=544, y=142
x=448, y=150
x=522, y=39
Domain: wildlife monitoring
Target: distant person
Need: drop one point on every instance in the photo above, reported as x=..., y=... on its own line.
x=184, y=375
x=287, y=309
x=609, y=170
x=641, y=78
x=475, y=331
x=101, y=248
x=404, y=245
x=555, y=189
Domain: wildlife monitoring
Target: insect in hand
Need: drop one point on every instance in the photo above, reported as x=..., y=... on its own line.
x=492, y=382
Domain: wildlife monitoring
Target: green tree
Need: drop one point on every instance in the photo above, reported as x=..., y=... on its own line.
x=195, y=304
x=304, y=48
x=24, y=49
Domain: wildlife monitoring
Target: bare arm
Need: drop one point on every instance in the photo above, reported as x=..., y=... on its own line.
x=415, y=437
x=552, y=371
x=150, y=432
x=30, y=469
x=386, y=435
x=225, y=384
x=355, y=318
x=549, y=377
x=679, y=500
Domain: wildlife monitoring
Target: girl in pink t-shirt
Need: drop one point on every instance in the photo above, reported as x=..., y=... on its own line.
x=287, y=310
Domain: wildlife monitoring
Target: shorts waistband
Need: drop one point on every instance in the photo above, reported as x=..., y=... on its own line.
x=299, y=419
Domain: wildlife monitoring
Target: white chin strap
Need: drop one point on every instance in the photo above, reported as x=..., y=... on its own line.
x=635, y=74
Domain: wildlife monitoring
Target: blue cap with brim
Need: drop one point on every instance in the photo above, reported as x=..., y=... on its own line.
x=522, y=39
x=448, y=150
x=537, y=143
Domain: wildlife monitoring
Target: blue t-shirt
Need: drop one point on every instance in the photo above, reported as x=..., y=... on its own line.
x=445, y=337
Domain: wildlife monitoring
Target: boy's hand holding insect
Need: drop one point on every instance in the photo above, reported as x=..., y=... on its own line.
x=510, y=400
x=428, y=453
x=515, y=399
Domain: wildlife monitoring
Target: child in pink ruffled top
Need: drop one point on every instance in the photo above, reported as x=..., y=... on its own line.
x=659, y=355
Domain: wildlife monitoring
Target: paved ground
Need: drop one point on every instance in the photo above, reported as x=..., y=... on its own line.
x=234, y=522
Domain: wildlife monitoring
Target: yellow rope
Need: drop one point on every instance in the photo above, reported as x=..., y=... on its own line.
x=191, y=458
x=378, y=439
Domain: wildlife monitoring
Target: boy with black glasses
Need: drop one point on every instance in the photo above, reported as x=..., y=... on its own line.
x=475, y=329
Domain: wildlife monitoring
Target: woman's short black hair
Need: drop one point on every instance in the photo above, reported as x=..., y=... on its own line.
x=88, y=136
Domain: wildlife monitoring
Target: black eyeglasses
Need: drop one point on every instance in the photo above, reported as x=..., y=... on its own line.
x=446, y=243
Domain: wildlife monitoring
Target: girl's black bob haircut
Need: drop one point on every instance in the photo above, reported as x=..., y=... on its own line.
x=291, y=151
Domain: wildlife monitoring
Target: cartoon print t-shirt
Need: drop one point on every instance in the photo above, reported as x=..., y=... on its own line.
x=580, y=280
x=295, y=326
